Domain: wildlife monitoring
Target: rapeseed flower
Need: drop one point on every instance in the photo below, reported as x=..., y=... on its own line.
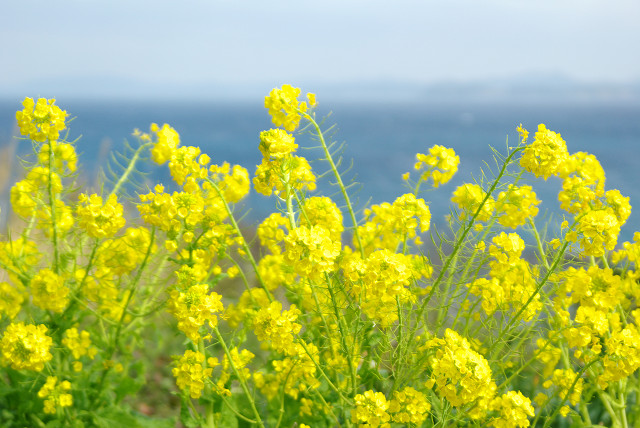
x=41, y=120
x=546, y=154
x=284, y=108
x=49, y=291
x=26, y=346
x=98, y=219
x=371, y=410
x=440, y=164
x=55, y=394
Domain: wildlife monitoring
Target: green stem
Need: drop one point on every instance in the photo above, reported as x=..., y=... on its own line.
x=210, y=422
x=543, y=255
x=241, y=379
x=342, y=328
x=544, y=280
x=338, y=178
x=550, y=419
x=315, y=363
x=244, y=244
x=449, y=260
x=443, y=308
x=52, y=206
x=132, y=163
x=114, y=346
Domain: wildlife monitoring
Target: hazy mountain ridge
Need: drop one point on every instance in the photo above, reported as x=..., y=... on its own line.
x=530, y=88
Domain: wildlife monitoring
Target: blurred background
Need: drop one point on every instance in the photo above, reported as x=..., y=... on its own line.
x=397, y=78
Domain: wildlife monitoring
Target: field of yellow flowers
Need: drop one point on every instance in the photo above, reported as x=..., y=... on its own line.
x=347, y=318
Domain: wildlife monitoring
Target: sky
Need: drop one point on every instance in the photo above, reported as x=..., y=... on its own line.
x=137, y=46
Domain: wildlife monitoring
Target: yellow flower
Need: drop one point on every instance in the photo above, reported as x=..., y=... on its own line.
x=240, y=359
x=468, y=197
x=622, y=355
x=322, y=211
x=56, y=394
x=275, y=175
x=79, y=343
x=409, y=406
x=10, y=300
x=600, y=229
x=166, y=144
x=284, y=107
x=276, y=143
x=100, y=221
x=311, y=251
x=516, y=205
x=232, y=182
x=271, y=232
x=380, y=281
x=190, y=374
x=194, y=306
x=371, y=410
x=26, y=346
x=41, y=121
x=295, y=374
x=49, y=291
x=461, y=375
x=441, y=164
x=563, y=382
x=513, y=408
x=389, y=225
x=545, y=155
x=278, y=327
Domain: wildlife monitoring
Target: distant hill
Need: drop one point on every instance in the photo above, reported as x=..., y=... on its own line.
x=521, y=89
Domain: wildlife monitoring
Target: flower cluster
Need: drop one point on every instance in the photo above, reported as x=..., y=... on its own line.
x=409, y=406
x=41, y=120
x=599, y=230
x=513, y=409
x=282, y=174
x=49, y=291
x=100, y=220
x=516, y=205
x=239, y=360
x=296, y=374
x=387, y=225
x=285, y=109
x=473, y=201
x=193, y=305
x=546, y=154
x=371, y=410
x=380, y=282
x=511, y=281
x=55, y=394
x=461, y=375
x=311, y=251
x=26, y=346
x=166, y=142
x=276, y=144
x=583, y=182
x=79, y=343
x=278, y=327
x=11, y=300
x=568, y=387
x=322, y=211
x=190, y=374
x=440, y=165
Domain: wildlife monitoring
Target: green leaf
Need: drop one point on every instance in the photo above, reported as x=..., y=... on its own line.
x=187, y=419
x=227, y=417
x=118, y=417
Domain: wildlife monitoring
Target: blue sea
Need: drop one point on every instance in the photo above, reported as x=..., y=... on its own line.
x=380, y=141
